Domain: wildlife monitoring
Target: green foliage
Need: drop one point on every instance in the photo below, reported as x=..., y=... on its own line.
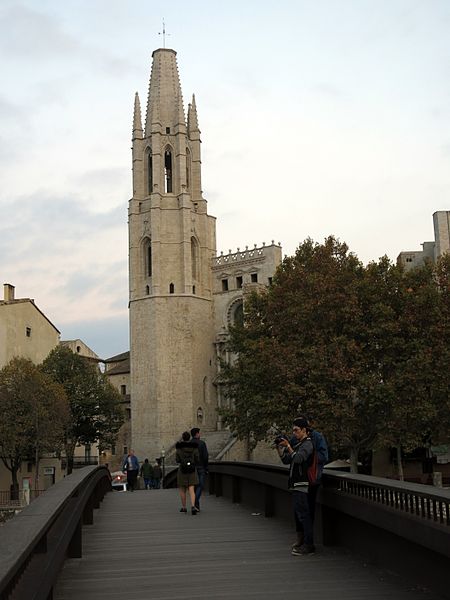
x=34, y=413
x=96, y=414
x=363, y=349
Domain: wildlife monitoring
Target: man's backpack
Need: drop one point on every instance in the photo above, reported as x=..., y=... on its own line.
x=187, y=465
x=318, y=459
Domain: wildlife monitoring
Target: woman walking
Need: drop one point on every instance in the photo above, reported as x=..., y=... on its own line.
x=187, y=457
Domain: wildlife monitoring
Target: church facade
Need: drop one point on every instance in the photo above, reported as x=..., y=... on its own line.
x=182, y=296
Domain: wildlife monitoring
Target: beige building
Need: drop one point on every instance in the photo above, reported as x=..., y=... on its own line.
x=79, y=347
x=24, y=329
x=430, y=250
x=117, y=368
x=182, y=295
x=26, y=332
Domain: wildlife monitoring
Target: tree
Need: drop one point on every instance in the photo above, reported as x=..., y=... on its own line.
x=363, y=349
x=96, y=413
x=305, y=342
x=34, y=414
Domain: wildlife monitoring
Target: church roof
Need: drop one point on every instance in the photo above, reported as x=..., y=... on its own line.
x=122, y=367
x=118, y=357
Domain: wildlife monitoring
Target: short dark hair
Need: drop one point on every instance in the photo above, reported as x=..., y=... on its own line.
x=301, y=422
x=185, y=436
x=194, y=431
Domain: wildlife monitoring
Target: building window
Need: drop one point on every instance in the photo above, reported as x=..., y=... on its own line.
x=193, y=289
x=28, y=331
x=167, y=129
x=149, y=170
x=224, y=285
x=194, y=258
x=125, y=450
x=29, y=467
x=128, y=413
x=171, y=289
x=254, y=277
x=239, y=282
x=78, y=349
x=409, y=259
x=149, y=259
x=123, y=390
x=113, y=450
x=188, y=168
x=87, y=452
x=168, y=172
x=270, y=280
x=147, y=290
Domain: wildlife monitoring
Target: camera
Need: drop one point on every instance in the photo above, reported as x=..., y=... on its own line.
x=277, y=441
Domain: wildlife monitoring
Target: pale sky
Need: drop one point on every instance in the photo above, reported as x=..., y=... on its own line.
x=318, y=117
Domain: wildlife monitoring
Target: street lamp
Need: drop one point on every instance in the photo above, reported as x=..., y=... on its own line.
x=163, y=463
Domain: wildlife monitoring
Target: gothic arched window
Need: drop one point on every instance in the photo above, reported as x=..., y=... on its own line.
x=194, y=258
x=168, y=171
x=171, y=288
x=149, y=167
x=188, y=168
x=147, y=252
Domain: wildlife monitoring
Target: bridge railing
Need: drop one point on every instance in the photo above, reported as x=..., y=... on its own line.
x=35, y=543
x=401, y=526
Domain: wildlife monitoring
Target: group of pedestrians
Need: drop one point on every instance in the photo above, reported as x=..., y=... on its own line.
x=151, y=474
x=192, y=459
x=305, y=452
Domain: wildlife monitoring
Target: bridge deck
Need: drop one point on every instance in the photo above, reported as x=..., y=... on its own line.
x=141, y=547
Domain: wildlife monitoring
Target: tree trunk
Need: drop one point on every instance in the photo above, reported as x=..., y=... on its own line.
x=15, y=482
x=353, y=460
x=401, y=475
x=36, y=462
x=248, y=447
x=70, y=451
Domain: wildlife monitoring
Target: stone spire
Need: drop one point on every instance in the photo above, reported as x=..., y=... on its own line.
x=192, y=118
x=165, y=99
x=137, y=121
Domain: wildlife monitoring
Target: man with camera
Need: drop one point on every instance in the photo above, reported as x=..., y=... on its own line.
x=298, y=453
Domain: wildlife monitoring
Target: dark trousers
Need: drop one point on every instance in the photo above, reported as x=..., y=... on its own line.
x=131, y=479
x=302, y=515
x=199, y=487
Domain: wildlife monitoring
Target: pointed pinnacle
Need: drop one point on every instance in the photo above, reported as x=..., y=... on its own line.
x=137, y=121
x=192, y=116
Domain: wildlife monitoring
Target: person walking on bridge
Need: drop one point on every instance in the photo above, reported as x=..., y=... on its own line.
x=131, y=467
x=187, y=457
x=202, y=465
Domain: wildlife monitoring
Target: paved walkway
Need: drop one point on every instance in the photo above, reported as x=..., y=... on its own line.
x=141, y=548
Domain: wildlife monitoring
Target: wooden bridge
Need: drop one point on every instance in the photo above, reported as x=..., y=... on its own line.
x=139, y=546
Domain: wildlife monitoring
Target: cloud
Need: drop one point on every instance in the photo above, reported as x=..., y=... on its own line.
x=30, y=34
x=106, y=337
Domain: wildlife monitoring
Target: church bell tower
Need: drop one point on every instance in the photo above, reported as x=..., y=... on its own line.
x=171, y=243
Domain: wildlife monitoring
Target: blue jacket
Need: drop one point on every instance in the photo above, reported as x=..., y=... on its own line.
x=134, y=464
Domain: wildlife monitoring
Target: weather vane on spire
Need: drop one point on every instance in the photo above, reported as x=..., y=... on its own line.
x=163, y=33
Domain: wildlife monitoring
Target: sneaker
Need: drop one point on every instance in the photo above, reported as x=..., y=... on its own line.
x=305, y=549
x=183, y=510
x=194, y=510
x=296, y=546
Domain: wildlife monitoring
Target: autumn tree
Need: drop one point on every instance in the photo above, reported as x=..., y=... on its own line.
x=96, y=412
x=34, y=413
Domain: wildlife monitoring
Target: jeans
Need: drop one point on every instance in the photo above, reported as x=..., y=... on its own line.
x=303, y=521
x=131, y=479
x=201, y=473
